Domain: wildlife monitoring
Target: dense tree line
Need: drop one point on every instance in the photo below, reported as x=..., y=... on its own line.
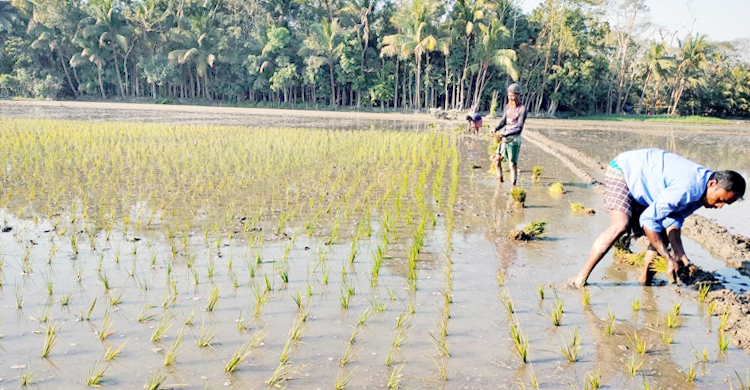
x=576, y=56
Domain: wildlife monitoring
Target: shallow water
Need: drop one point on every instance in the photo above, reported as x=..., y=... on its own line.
x=138, y=265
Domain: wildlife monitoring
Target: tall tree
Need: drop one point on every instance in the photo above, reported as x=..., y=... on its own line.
x=414, y=39
x=692, y=60
x=325, y=42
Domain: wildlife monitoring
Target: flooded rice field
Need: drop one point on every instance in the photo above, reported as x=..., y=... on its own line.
x=172, y=256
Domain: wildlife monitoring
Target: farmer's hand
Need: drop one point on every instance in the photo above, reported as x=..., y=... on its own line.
x=683, y=259
x=673, y=265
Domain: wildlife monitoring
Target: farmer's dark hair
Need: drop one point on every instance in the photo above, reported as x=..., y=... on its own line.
x=731, y=181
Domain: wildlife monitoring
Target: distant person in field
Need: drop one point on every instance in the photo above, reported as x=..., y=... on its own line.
x=475, y=123
x=655, y=190
x=508, y=132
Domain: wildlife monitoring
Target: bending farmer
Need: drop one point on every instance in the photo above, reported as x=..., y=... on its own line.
x=511, y=124
x=475, y=123
x=657, y=190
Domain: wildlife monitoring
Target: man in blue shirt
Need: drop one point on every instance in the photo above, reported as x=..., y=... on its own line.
x=657, y=190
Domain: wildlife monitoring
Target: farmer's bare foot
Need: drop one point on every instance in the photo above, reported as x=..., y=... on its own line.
x=646, y=277
x=672, y=272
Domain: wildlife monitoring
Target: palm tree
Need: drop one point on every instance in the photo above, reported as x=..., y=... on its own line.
x=109, y=30
x=324, y=41
x=468, y=18
x=656, y=64
x=490, y=51
x=412, y=21
x=196, y=42
x=692, y=60
x=361, y=10
x=52, y=41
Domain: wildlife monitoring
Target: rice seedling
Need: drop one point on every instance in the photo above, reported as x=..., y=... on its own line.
x=116, y=298
x=744, y=385
x=342, y=379
x=635, y=304
x=106, y=329
x=703, y=358
x=144, y=316
x=556, y=188
x=673, y=320
x=536, y=173
x=646, y=385
x=592, y=380
x=441, y=363
x=633, y=365
x=189, y=319
x=518, y=195
x=161, y=328
x=213, y=299
x=156, y=379
x=65, y=299
x=348, y=355
x=18, y=293
x=377, y=305
x=441, y=345
x=171, y=355
x=556, y=312
x=364, y=316
x=638, y=343
x=345, y=298
x=571, y=347
x=394, y=379
x=238, y=357
x=723, y=342
x=91, y=309
x=520, y=342
x=723, y=319
x=609, y=324
x=676, y=309
x=281, y=374
x=666, y=337
x=586, y=298
x=28, y=377
x=533, y=231
x=541, y=291
x=112, y=353
x=50, y=338
x=703, y=289
x=690, y=373
x=712, y=308
x=507, y=303
x=95, y=375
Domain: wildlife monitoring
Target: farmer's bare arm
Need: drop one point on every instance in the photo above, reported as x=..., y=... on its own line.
x=675, y=239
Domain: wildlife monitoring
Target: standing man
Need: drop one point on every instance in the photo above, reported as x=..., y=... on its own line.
x=475, y=123
x=511, y=124
x=656, y=190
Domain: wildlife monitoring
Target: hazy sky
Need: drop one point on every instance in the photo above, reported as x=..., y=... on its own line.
x=721, y=20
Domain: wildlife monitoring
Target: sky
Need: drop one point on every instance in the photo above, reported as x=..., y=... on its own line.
x=721, y=20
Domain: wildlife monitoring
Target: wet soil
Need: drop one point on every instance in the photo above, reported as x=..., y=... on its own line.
x=478, y=338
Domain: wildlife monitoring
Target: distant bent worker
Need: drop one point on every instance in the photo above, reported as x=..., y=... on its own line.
x=511, y=124
x=656, y=190
x=475, y=123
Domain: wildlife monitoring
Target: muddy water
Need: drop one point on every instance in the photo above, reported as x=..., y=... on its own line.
x=717, y=150
x=137, y=265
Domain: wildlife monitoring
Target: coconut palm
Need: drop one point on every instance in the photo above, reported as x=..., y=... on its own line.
x=469, y=16
x=361, y=11
x=491, y=51
x=196, y=48
x=692, y=61
x=108, y=29
x=656, y=64
x=52, y=41
x=324, y=42
x=413, y=23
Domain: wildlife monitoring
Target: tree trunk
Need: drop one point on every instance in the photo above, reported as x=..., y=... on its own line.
x=418, y=106
x=99, y=73
x=395, y=88
x=117, y=71
x=333, y=85
x=67, y=74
